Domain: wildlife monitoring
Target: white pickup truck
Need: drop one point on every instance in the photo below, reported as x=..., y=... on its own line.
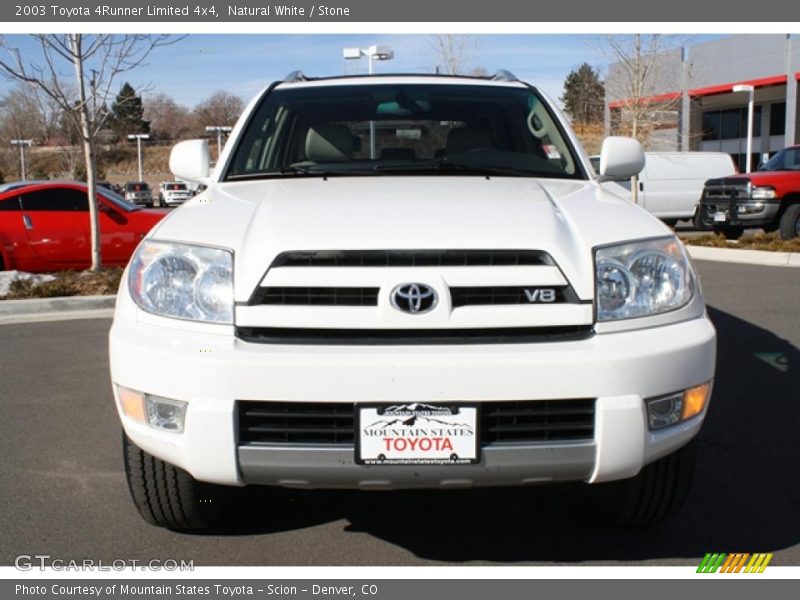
x=408, y=282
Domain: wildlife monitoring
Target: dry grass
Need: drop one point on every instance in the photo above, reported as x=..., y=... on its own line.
x=69, y=283
x=770, y=242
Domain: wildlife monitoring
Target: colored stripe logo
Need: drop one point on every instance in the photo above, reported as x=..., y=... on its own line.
x=734, y=563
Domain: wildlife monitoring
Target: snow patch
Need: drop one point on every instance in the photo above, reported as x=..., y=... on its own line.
x=8, y=277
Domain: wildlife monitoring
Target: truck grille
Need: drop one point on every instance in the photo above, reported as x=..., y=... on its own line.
x=317, y=296
x=368, y=296
x=317, y=423
x=412, y=258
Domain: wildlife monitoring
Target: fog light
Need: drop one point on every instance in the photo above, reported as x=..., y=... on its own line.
x=665, y=411
x=164, y=413
x=132, y=403
x=694, y=400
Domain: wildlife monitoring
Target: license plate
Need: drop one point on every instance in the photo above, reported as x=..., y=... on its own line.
x=416, y=434
x=720, y=217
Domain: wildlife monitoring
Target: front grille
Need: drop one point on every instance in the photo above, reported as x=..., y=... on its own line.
x=368, y=296
x=317, y=296
x=311, y=423
x=412, y=258
x=488, y=295
x=366, y=337
x=317, y=423
x=543, y=421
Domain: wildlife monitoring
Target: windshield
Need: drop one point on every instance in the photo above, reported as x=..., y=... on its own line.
x=391, y=128
x=175, y=187
x=137, y=187
x=785, y=160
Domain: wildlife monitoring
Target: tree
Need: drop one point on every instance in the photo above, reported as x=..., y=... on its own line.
x=126, y=114
x=21, y=116
x=97, y=62
x=222, y=108
x=584, y=95
x=635, y=82
x=168, y=120
x=455, y=54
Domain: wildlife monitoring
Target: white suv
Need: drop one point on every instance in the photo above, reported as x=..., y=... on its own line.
x=408, y=282
x=173, y=193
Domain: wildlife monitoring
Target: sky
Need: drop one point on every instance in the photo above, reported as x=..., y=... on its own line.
x=198, y=65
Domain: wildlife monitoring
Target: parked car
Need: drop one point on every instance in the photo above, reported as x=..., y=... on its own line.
x=445, y=298
x=45, y=227
x=111, y=186
x=671, y=183
x=768, y=198
x=173, y=193
x=138, y=192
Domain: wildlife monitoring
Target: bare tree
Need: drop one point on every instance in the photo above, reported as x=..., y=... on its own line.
x=222, y=109
x=455, y=54
x=168, y=120
x=96, y=61
x=642, y=73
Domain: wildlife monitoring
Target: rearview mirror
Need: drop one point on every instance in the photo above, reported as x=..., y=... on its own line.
x=191, y=160
x=620, y=158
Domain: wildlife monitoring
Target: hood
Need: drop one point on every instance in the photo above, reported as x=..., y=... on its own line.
x=758, y=177
x=260, y=219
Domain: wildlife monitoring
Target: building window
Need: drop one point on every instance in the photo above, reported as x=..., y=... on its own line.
x=729, y=124
x=777, y=119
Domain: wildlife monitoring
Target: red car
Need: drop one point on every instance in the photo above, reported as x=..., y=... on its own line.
x=45, y=227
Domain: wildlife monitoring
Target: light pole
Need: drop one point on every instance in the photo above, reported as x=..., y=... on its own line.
x=372, y=53
x=139, y=137
x=750, y=111
x=220, y=129
x=22, y=144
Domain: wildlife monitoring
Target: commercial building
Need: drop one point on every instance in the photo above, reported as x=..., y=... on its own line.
x=690, y=102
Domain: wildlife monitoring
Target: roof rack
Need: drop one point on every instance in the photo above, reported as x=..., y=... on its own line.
x=503, y=75
x=294, y=77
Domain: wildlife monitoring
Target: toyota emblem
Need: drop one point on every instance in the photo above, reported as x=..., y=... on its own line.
x=414, y=298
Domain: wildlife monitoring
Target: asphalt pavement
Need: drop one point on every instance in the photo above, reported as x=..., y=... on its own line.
x=63, y=491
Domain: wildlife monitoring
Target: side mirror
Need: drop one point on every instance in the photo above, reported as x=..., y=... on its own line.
x=620, y=158
x=191, y=160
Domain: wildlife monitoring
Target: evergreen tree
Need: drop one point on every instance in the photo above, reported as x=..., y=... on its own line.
x=584, y=95
x=126, y=114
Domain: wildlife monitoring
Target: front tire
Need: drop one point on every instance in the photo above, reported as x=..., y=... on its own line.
x=790, y=223
x=657, y=493
x=167, y=496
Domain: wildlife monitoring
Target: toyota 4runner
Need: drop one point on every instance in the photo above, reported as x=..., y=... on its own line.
x=408, y=282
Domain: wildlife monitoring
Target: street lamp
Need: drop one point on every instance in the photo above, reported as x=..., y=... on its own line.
x=22, y=144
x=220, y=129
x=750, y=110
x=139, y=137
x=372, y=53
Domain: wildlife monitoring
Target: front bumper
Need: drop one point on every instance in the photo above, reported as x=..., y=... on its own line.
x=211, y=371
x=741, y=211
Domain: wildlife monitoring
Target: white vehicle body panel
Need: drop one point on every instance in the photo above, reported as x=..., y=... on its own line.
x=618, y=364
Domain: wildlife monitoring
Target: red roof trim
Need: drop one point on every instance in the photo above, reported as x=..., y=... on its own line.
x=728, y=87
x=708, y=91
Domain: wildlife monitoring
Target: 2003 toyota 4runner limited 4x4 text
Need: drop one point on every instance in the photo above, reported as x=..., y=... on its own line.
x=408, y=282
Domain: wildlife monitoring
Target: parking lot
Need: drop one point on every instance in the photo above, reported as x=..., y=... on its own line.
x=63, y=491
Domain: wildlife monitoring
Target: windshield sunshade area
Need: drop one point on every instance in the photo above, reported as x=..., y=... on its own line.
x=787, y=159
x=399, y=129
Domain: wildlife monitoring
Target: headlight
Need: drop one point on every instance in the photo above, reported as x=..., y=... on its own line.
x=762, y=193
x=183, y=281
x=639, y=279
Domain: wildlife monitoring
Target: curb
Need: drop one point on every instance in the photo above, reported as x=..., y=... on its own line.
x=745, y=257
x=42, y=306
